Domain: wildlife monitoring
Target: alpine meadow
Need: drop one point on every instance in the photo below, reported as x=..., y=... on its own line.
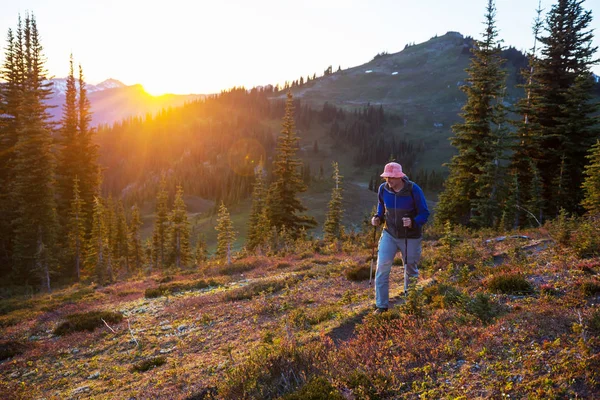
x=228, y=245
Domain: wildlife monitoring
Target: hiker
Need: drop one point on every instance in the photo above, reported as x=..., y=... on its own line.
x=403, y=211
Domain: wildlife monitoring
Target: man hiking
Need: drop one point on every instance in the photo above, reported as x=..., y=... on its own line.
x=403, y=211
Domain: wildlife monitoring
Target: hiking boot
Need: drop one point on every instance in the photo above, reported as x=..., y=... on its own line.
x=379, y=311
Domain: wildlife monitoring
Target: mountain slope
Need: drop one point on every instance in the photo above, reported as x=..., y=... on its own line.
x=112, y=101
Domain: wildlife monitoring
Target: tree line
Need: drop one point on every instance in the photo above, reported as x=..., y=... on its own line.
x=512, y=173
x=45, y=172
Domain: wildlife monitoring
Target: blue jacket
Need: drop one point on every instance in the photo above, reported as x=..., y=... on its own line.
x=410, y=201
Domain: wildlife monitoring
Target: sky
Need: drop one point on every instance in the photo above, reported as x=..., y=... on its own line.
x=205, y=46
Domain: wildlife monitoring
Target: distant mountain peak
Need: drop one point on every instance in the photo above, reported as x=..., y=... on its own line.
x=110, y=83
x=59, y=85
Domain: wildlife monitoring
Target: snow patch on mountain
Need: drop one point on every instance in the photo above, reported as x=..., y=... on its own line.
x=59, y=85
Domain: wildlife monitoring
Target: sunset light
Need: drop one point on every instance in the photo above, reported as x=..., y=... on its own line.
x=207, y=46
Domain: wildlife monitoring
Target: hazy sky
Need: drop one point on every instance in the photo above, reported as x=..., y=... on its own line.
x=204, y=46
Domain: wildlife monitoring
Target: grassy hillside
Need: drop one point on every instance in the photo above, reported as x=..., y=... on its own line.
x=511, y=318
x=420, y=83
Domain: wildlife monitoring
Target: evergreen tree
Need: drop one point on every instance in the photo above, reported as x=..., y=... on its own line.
x=76, y=229
x=201, y=252
x=283, y=203
x=179, y=232
x=526, y=149
x=258, y=222
x=159, y=235
x=88, y=168
x=10, y=98
x=226, y=234
x=591, y=184
x=121, y=239
x=110, y=223
x=563, y=108
x=472, y=188
x=33, y=174
x=98, y=253
x=136, y=251
x=69, y=151
x=333, y=222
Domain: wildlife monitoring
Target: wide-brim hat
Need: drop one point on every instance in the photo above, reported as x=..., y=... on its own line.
x=393, y=170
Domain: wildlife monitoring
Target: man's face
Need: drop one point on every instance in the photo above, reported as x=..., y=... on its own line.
x=393, y=181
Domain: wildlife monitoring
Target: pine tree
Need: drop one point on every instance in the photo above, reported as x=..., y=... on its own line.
x=179, y=232
x=88, y=168
x=159, y=235
x=76, y=229
x=98, y=253
x=110, y=223
x=563, y=108
x=226, y=234
x=201, y=252
x=10, y=99
x=33, y=174
x=258, y=222
x=525, y=141
x=282, y=202
x=472, y=188
x=121, y=237
x=69, y=151
x=333, y=222
x=136, y=251
x=591, y=184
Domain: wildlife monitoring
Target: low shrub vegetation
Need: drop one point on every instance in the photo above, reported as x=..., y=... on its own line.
x=149, y=364
x=317, y=388
x=255, y=288
x=510, y=283
x=86, y=321
x=176, y=287
x=11, y=348
x=482, y=308
x=590, y=288
x=358, y=272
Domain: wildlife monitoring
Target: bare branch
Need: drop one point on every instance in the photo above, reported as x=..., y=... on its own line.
x=131, y=332
x=111, y=329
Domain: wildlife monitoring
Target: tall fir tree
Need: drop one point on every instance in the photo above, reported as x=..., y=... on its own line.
x=159, y=234
x=88, y=167
x=283, y=204
x=471, y=193
x=201, y=251
x=225, y=235
x=179, y=232
x=110, y=223
x=136, y=250
x=121, y=239
x=258, y=222
x=525, y=146
x=562, y=106
x=333, y=228
x=98, y=251
x=35, y=223
x=76, y=230
x=68, y=150
x=11, y=93
x=591, y=184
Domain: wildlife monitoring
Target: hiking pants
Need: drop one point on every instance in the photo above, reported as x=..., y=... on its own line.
x=388, y=247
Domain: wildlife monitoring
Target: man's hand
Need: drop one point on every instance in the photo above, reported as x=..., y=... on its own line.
x=407, y=222
x=375, y=221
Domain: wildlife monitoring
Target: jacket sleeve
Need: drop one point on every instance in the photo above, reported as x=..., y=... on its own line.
x=420, y=205
x=380, y=204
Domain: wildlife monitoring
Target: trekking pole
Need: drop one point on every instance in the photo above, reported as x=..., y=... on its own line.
x=372, y=254
x=405, y=257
